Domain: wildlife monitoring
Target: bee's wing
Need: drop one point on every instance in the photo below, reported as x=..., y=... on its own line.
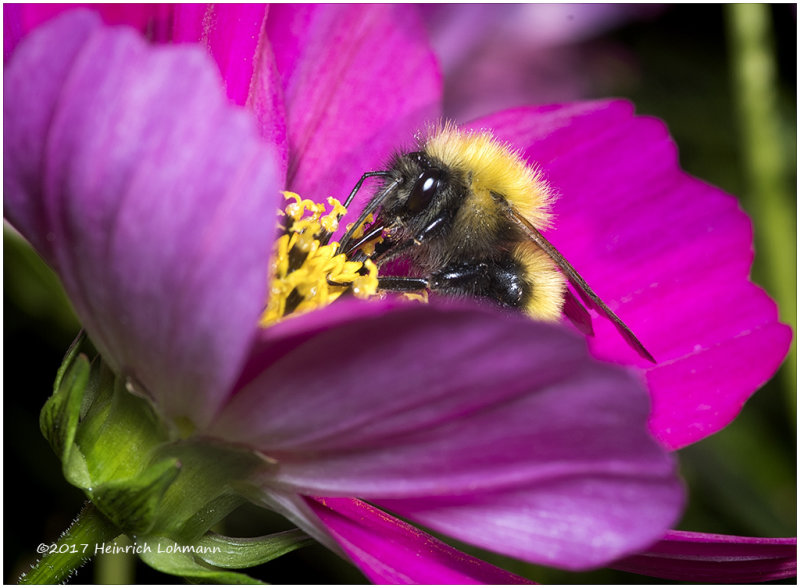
x=577, y=314
x=588, y=295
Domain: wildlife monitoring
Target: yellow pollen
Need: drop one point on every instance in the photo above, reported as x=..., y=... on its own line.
x=307, y=274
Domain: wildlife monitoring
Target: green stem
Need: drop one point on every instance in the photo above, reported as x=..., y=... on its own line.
x=115, y=567
x=768, y=153
x=74, y=548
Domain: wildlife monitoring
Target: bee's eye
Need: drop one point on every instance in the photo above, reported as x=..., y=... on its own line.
x=424, y=189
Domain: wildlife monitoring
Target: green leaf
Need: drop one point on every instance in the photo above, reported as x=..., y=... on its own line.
x=33, y=289
x=165, y=555
x=133, y=504
x=234, y=552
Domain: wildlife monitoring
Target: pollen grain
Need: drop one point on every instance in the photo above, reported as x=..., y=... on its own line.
x=307, y=272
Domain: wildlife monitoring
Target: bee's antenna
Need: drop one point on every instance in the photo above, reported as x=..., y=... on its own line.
x=325, y=236
x=361, y=181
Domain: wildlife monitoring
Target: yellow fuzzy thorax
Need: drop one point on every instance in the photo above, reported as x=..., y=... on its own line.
x=492, y=166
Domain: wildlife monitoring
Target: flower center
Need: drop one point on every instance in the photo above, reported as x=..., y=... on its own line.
x=307, y=272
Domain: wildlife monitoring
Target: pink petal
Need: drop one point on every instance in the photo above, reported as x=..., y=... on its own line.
x=21, y=19
x=235, y=36
x=670, y=254
x=150, y=195
x=573, y=522
x=390, y=551
x=280, y=339
x=703, y=557
x=465, y=417
x=232, y=33
x=189, y=24
x=358, y=80
x=266, y=100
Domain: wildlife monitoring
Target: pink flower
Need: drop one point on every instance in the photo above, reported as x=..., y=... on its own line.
x=497, y=56
x=153, y=199
x=705, y=557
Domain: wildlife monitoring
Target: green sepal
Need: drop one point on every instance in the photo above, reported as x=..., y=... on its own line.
x=159, y=483
x=133, y=504
x=235, y=552
x=61, y=414
x=69, y=356
x=165, y=555
x=118, y=431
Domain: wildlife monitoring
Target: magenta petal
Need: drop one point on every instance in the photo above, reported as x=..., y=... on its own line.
x=467, y=419
x=358, y=81
x=703, y=557
x=280, y=339
x=332, y=409
x=266, y=100
x=232, y=33
x=151, y=196
x=667, y=252
x=21, y=19
x=189, y=23
x=390, y=551
x=573, y=522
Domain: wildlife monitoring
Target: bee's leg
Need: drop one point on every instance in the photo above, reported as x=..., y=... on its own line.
x=402, y=284
x=498, y=280
x=395, y=284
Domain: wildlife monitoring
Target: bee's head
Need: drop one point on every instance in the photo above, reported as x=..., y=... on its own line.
x=426, y=199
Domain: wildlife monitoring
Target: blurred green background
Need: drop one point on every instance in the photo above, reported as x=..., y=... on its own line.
x=724, y=80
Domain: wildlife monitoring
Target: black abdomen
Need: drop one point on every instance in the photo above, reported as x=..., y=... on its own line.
x=500, y=279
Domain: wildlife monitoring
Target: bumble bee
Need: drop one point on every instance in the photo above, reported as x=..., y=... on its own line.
x=465, y=211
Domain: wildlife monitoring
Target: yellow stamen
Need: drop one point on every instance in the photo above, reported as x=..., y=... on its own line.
x=305, y=274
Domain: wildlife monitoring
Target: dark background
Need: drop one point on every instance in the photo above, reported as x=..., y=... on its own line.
x=675, y=63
